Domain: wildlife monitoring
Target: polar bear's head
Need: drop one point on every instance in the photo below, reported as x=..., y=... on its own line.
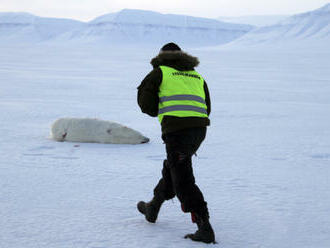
x=120, y=134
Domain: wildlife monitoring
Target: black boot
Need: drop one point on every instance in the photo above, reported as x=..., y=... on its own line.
x=150, y=209
x=204, y=233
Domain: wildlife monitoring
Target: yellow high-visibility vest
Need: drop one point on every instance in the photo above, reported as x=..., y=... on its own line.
x=181, y=94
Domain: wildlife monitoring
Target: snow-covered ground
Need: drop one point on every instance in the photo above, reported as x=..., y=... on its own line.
x=264, y=166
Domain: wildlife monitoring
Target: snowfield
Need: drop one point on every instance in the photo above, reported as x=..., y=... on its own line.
x=264, y=167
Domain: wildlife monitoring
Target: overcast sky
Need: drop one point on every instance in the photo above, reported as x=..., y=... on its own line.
x=88, y=9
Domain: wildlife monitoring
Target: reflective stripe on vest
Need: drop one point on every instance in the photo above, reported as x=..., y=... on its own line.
x=182, y=108
x=182, y=97
x=181, y=94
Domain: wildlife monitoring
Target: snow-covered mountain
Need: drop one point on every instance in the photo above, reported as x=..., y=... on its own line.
x=124, y=27
x=309, y=27
x=147, y=27
x=129, y=27
x=257, y=20
x=26, y=28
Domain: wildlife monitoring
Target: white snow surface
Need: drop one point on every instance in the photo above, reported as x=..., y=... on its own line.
x=302, y=28
x=263, y=168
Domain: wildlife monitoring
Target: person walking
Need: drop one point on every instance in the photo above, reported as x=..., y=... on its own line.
x=179, y=96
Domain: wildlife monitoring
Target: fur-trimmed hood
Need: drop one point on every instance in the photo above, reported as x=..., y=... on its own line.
x=179, y=60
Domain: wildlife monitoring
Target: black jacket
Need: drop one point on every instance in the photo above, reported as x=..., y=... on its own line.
x=148, y=91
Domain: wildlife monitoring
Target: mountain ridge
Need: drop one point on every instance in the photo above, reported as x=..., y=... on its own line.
x=131, y=26
x=22, y=27
x=152, y=17
x=128, y=26
x=254, y=20
x=311, y=26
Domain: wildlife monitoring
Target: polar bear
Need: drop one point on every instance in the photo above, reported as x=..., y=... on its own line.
x=95, y=131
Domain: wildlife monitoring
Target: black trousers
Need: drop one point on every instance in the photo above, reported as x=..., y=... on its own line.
x=177, y=174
